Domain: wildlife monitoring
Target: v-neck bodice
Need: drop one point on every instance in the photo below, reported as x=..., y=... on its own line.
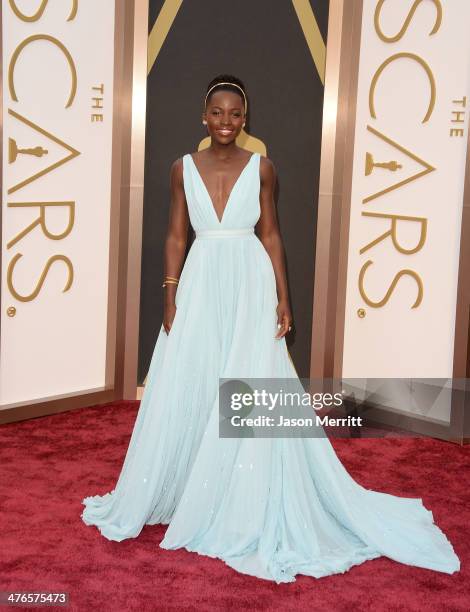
x=242, y=208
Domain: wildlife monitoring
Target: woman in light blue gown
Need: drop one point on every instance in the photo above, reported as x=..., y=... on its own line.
x=272, y=508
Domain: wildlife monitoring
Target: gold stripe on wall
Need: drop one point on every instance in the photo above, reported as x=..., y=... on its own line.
x=312, y=35
x=304, y=11
x=160, y=30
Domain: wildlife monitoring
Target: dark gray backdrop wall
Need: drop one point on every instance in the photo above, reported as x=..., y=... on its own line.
x=262, y=43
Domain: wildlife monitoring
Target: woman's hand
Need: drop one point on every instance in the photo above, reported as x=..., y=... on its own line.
x=284, y=318
x=169, y=312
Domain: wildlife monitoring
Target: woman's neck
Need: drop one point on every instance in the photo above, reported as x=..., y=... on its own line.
x=223, y=151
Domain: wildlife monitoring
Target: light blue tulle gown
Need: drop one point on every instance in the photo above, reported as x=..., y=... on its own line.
x=272, y=508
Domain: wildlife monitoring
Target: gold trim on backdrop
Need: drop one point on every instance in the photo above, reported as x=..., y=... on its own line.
x=312, y=35
x=304, y=13
x=160, y=30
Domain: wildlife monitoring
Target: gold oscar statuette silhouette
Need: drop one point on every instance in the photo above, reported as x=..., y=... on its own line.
x=370, y=165
x=13, y=151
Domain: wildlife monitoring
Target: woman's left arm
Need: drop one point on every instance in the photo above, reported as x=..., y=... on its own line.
x=268, y=232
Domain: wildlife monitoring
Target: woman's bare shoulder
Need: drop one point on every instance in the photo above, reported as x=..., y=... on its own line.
x=267, y=167
x=178, y=162
x=176, y=168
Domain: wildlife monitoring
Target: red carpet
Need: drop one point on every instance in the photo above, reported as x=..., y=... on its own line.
x=49, y=464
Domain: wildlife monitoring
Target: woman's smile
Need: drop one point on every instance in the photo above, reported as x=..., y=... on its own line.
x=225, y=131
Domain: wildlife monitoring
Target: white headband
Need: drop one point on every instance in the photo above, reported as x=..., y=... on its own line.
x=233, y=85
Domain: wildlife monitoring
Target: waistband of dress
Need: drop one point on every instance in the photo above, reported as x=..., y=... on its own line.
x=225, y=233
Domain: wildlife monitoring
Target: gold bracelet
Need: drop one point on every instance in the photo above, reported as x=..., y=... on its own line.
x=172, y=278
x=169, y=282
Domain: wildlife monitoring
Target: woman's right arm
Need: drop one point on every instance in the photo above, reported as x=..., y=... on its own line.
x=176, y=239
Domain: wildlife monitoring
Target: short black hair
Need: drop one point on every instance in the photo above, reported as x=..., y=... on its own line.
x=226, y=78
